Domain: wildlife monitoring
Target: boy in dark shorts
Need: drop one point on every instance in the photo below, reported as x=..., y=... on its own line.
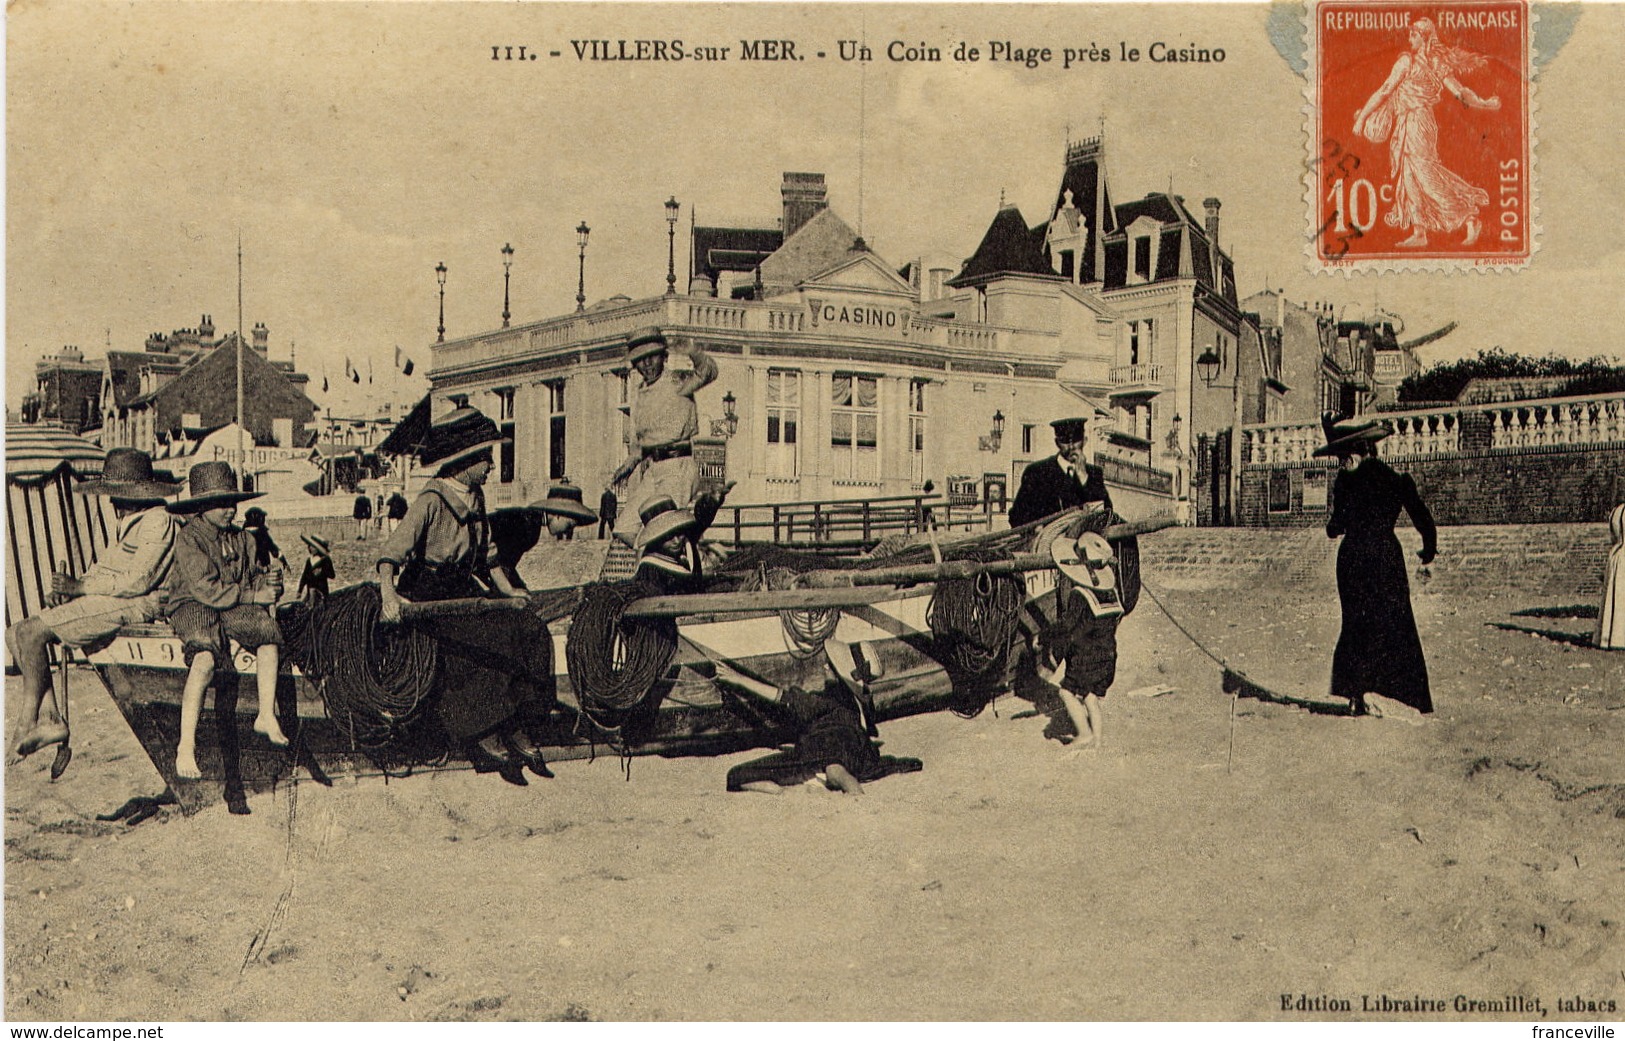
x=217, y=592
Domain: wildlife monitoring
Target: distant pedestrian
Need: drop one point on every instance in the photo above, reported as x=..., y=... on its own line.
x=608, y=508
x=1378, y=663
x=362, y=514
x=928, y=517
x=395, y=509
x=378, y=507
x=1611, y=619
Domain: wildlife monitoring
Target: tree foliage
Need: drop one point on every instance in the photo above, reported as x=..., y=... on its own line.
x=1444, y=382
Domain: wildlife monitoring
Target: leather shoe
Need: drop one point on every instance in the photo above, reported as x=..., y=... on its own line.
x=489, y=755
x=528, y=752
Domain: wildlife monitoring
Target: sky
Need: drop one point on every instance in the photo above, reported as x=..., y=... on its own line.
x=355, y=146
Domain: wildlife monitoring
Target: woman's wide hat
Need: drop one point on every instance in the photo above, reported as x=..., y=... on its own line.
x=210, y=485
x=459, y=434
x=1088, y=561
x=1348, y=435
x=646, y=341
x=127, y=473
x=661, y=520
x=317, y=544
x=564, y=500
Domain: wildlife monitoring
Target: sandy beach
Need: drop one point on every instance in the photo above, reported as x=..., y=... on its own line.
x=1213, y=861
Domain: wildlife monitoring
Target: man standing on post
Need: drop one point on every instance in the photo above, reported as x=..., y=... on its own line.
x=665, y=421
x=1078, y=653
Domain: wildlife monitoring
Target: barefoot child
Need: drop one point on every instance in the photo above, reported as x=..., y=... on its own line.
x=1078, y=656
x=86, y=612
x=217, y=591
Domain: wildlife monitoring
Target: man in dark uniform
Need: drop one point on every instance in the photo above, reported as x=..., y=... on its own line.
x=1061, y=481
x=1078, y=653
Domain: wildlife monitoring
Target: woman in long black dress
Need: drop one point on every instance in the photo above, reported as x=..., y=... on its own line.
x=1379, y=654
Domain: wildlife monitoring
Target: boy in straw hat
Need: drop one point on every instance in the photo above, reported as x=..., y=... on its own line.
x=123, y=588
x=516, y=530
x=665, y=421
x=216, y=592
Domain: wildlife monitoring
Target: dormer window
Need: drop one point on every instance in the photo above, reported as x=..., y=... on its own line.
x=1142, y=257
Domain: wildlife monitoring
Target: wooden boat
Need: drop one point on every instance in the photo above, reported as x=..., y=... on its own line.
x=720, y=693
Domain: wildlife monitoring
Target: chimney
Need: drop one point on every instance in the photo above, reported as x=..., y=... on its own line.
x=262, y=338
x=206, y=328
x=804, y=196
x=1211, y=205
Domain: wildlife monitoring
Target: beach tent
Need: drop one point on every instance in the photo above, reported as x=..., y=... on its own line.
x=47, y=523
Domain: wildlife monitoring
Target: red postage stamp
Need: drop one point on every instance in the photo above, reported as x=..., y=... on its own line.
x=1420, y=135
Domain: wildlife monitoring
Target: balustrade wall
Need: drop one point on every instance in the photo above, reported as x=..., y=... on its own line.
x=1546, y=461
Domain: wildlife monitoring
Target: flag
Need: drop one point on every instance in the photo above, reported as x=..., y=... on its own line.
x=369, y=370
x=349, y=371
x=403, y=364
x=324, y=383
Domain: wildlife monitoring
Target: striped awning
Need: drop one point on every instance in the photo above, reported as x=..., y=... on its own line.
x=37, y=450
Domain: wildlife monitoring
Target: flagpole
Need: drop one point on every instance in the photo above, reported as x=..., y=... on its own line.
x=242, y=456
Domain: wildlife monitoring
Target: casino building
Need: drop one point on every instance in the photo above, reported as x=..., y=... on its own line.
x=845, y=376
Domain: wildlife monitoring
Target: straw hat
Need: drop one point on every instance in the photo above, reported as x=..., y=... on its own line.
x=1088, y=562
x=317, y=544
x=662, y=520
x=459, y=434
x=127, y=473
x=646, y=341
x=210, y=485
x=564, y=500
x=1346, y=435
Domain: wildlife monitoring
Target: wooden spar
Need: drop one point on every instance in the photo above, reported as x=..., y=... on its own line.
x=908, y=574
x=676, y=606
x=457, y=608
x=905, y=574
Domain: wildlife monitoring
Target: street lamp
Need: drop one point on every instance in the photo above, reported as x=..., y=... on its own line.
x=1207, y=366
x=507, y=263
x=581, y=278
x=671, y=245
x=729, y=416
x=440, y=276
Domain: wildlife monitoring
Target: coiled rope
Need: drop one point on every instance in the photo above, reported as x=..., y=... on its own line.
x=372, y=678
x=805, y=629
x=614, y=663
x=973, y=625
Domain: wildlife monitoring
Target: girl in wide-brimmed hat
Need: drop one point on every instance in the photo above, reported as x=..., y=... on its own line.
x=218, y=593
x=495, y=679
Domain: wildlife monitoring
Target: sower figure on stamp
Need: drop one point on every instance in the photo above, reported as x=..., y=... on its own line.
x=123, y=588
x=665, y=421
x=1428, y=196
x=1078, y=653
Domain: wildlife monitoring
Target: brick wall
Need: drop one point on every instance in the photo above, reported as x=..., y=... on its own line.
x=1549, y=485
x=1556, y=560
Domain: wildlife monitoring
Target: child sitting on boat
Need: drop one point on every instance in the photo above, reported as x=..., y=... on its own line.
x=123, y=588
x=217, y=591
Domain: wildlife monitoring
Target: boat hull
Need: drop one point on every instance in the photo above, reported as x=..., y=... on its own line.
x=718, y=696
